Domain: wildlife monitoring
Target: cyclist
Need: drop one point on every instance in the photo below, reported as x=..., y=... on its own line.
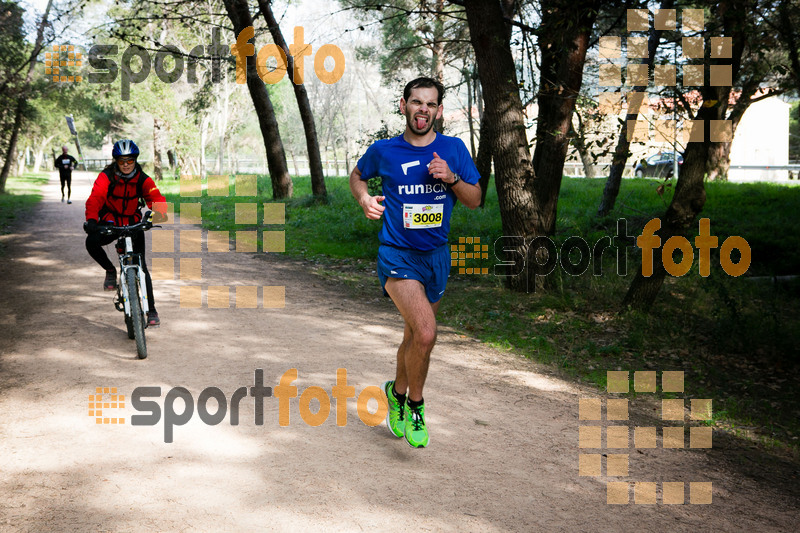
x=118, y=195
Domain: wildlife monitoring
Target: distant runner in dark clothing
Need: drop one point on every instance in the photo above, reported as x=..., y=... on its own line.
x=65, y=163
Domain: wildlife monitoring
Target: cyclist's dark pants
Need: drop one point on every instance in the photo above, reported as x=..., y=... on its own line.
x=66, y=178
x=94, y=245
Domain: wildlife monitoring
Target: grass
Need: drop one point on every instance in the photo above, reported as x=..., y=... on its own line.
x=22, y=193
x=735, y=338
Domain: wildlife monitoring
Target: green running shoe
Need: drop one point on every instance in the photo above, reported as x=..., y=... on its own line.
x=416, y=430
x=395, y=418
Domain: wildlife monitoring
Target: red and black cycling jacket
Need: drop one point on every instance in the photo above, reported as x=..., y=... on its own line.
x=116, y=200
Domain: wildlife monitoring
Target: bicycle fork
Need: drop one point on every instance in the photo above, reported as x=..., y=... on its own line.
x=125, y=296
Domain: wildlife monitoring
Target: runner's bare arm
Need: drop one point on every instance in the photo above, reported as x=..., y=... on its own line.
x=467, y=194
x=370, y=204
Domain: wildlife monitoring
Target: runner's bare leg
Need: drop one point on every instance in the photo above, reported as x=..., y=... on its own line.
x=419, y=335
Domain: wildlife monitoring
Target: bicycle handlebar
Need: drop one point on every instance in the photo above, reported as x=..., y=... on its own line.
x=145, y=224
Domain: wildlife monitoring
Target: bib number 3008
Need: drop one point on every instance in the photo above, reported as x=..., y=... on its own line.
x=427, y=218
x=420, y=216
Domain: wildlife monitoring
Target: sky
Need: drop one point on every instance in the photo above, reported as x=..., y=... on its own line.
x=317, y=19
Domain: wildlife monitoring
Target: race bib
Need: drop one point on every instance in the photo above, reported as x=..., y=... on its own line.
x=421, y=216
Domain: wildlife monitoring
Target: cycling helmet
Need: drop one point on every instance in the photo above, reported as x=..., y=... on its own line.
x=125, y=147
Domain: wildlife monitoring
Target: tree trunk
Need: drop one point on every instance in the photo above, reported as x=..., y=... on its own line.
x=719, y=161
x=622, y=150
x=10, y=157
x=157, y=173
x=564, y=39
x=484, y=162
x=18, y=165
x=478, y=95
x=719, y=157
x=282, y=187
x=437, y=54
x=514, y=173
x=37, y=164
x=579, y=140
x=203, y=142
x=318, y=188
x=789, y=35
x=335, y=161
x=222, y=123
x=688, y=201
x=21, y=101
x=483, y=159
x=690, y=194
x=294, y=163
x=37, y=160
x=470, y=120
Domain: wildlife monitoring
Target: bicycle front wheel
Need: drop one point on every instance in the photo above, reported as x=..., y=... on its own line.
x=129, y=325
x=137, y=316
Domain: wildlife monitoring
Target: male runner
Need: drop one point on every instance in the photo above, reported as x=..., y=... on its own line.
x=424, y=173
x=65, y=164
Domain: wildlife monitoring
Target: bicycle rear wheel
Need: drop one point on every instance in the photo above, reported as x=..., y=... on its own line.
x=137, y=316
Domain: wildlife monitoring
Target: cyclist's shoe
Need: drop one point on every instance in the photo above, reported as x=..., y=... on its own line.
x=152, y=319
x=395, y=418
x=416, y=430
x=110, y=283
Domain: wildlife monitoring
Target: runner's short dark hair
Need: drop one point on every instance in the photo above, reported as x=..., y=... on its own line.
x=424, y=83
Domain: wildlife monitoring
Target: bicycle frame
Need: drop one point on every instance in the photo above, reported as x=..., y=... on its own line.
x=130, y=260
x=131, y=281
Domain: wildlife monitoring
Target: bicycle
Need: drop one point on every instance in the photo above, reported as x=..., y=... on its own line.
x=131, y=297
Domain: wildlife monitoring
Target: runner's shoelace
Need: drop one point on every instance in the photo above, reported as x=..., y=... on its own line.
x=416, y=419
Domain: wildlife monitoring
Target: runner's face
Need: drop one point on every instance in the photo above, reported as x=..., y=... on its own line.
x=421, y=109
x=126, y=164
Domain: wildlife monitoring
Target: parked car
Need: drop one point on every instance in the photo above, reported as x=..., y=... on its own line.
x=659, y=165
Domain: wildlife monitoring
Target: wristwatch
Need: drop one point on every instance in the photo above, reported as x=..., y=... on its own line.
x=456, y=179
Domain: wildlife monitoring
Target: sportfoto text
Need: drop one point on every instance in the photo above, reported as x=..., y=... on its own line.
x=100, y=58
x=516, y=255
x=283, y=392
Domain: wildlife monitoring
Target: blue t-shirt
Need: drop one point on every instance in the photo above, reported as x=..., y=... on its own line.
x=418, y=206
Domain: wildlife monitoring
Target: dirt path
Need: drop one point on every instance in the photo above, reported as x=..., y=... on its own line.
x=504, y=434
